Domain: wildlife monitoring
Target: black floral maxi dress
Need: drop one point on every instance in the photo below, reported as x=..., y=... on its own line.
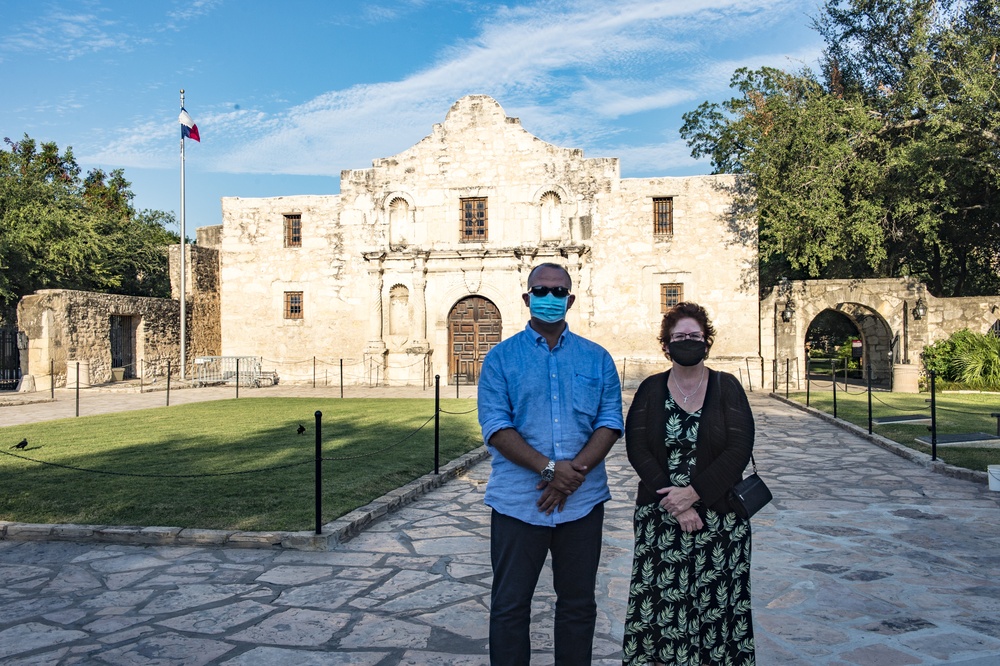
x=689, y=601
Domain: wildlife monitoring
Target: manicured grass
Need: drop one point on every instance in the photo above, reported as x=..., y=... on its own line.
x=372, y=442
x=956, y=413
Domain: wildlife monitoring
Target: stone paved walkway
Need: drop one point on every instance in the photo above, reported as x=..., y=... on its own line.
x=863, y=558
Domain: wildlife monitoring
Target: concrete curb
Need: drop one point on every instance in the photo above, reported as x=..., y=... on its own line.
x=336, y=532
x=913, y=455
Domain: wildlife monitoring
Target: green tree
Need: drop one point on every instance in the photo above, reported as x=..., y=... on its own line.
x=887, y=163
x=60, y=231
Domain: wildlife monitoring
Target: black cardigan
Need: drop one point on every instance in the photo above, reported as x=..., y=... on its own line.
x=725, y=439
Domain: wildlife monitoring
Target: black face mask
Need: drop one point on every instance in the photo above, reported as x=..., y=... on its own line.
x=687, y=352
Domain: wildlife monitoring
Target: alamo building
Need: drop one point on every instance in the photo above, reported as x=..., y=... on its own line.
x=417, y=267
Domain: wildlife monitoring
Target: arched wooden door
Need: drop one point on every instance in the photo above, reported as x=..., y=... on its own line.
x=474, y=328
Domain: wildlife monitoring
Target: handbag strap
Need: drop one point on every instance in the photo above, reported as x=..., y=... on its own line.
x=753, y=462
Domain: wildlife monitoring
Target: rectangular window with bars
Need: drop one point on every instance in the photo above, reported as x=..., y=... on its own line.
x=293, y=305
x=475, y=221
x=670, y=295
x=663, y=216
x=293, y=231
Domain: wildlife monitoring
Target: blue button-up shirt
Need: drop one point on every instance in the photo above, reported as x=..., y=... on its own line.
x=555, y=399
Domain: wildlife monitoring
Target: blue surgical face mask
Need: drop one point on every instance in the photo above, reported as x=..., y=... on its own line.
x=548, y=308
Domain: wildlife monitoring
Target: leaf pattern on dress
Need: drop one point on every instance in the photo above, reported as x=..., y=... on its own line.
x=689, y=598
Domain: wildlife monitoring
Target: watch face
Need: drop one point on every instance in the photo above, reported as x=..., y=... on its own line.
x=548, y=474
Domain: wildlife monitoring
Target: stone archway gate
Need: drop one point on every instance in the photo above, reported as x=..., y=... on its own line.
x=893, y=336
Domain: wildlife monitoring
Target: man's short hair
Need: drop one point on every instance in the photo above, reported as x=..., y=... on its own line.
x=549, y=264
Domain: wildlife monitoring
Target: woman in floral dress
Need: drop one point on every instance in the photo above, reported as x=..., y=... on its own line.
x=689, y=435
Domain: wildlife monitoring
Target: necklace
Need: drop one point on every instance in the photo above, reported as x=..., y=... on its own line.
x=684, y=395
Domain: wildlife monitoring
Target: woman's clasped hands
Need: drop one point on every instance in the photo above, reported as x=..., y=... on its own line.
x=679, y=503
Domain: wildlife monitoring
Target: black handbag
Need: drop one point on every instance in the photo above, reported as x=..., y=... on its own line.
x=749, y=495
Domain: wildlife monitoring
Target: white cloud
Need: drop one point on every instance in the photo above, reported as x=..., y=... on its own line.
x=575, y=68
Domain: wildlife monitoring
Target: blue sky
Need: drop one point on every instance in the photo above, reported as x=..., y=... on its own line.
x=286, y=95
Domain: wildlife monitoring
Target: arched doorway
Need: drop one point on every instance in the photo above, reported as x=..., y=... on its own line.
x=474, y=328
x=833, y=330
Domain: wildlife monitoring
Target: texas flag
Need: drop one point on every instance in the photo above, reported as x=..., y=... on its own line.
x=188, y=128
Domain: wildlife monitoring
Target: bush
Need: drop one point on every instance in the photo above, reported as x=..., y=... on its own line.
x=966, y=357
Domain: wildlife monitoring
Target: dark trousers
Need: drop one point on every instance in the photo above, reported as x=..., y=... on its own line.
x=518, y=552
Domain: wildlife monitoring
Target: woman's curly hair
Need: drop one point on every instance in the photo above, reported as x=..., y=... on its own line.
x=685, y=310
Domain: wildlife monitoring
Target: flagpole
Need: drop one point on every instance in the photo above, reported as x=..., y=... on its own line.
x=183, y=259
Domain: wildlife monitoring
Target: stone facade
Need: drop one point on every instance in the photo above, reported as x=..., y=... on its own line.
x=203, y=314
x=382, y=274
x=892, y=333
x=64, y=326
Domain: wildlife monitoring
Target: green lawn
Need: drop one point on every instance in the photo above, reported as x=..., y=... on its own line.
x=372, y=442
x=956, y=413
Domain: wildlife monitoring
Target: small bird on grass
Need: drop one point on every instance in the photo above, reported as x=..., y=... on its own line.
x=301, y=429
x=23, y=444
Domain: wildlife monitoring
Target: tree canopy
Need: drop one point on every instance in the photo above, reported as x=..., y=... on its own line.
x=58, y=230
x=883, y=164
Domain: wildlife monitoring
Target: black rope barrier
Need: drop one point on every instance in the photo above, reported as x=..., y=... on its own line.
x=469, y=411
x=960, y=411
x=900, y=409
x=391, y=446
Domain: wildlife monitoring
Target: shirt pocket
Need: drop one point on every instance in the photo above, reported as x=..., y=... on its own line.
x=586, y=394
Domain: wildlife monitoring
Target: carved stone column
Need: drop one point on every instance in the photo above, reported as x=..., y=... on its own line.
x=375, y=345
x=418, y=324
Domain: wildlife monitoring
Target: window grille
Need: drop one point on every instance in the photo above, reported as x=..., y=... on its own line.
x=475, y=221
x=670, y=295
x=293, y=231
x=293, y=305
x=663, y=216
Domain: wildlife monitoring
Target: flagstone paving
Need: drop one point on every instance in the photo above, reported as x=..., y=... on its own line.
x=864, y=558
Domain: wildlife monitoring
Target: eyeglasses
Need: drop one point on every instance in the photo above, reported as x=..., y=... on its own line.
x=678, y=337
x=559, y=292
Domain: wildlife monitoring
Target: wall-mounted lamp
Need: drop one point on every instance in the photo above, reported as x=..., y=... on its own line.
x=789, y=311
x=785, y=289
x=920, y=309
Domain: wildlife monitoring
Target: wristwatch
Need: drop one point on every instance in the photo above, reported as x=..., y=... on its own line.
x=549, y=472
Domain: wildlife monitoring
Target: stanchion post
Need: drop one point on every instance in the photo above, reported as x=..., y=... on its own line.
x=833, y=375
x=77, y=388
x=341, y=378
x=456, y=384
x=808, y=363
x=140, y=376
x=437, y=421
x=319, y=472
x=624, y=361
x=933, y=416
x=52, y=379
x=314, y=372
x=749, y=376
x=869, y=398
x=168, y=383
x=787, y=375
x=237, y=377
x=774, y=376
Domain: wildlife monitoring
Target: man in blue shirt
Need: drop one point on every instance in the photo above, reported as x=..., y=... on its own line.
x=550, y=407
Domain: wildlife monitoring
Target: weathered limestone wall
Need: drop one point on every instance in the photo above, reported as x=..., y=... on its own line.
x=707, y=253
x=257, y=269
x=64, y=325
x=882, y=309
x=949, y=315
x=203, y=325
x=210, y=237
